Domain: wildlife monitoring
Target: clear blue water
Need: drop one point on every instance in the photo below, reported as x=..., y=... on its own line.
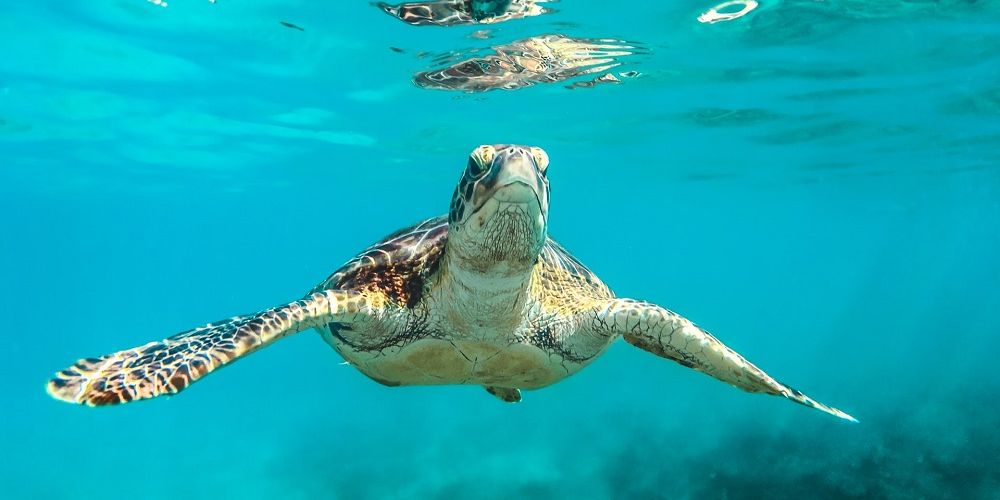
x=817, y=183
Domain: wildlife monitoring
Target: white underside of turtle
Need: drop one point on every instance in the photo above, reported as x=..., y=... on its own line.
x=481, y=296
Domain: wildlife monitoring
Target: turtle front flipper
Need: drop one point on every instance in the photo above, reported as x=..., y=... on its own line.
x=666, y=334
x=170, y=365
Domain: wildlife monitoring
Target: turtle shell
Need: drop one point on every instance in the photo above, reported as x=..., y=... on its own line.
x=398, y=266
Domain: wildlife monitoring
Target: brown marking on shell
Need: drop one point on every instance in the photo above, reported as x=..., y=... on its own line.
x=397, y=267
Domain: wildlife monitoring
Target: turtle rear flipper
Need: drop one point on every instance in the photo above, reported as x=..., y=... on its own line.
x=170, y=365
x=505, y=394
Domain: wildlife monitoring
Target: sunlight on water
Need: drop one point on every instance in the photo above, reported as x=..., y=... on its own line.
x=815, y=182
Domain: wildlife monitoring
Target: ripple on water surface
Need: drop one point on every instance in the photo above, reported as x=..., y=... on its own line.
x=540, y=59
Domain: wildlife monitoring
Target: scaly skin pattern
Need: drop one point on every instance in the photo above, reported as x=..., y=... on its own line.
x=168, y=366
x=480, y=296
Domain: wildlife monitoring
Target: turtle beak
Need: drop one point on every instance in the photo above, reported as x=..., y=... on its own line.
x=518, y=179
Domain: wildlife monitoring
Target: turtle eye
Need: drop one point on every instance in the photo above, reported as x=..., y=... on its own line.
x=486, y=153
x=541, y=159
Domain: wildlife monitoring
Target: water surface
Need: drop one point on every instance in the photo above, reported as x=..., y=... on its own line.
x=817, y=183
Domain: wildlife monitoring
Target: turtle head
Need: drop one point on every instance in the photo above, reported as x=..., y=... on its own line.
x=499, y=213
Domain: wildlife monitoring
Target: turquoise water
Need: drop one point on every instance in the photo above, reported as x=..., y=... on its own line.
x=817, y=183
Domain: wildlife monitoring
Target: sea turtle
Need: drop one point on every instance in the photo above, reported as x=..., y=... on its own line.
x=540, y=59
x=479, y=296
x=458, y=12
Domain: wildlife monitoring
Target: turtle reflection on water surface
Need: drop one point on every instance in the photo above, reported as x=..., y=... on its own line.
x=457, y=12
x=540, y=59
x=479, y=296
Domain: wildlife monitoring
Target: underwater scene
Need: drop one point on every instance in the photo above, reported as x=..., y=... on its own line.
x=488, y=240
